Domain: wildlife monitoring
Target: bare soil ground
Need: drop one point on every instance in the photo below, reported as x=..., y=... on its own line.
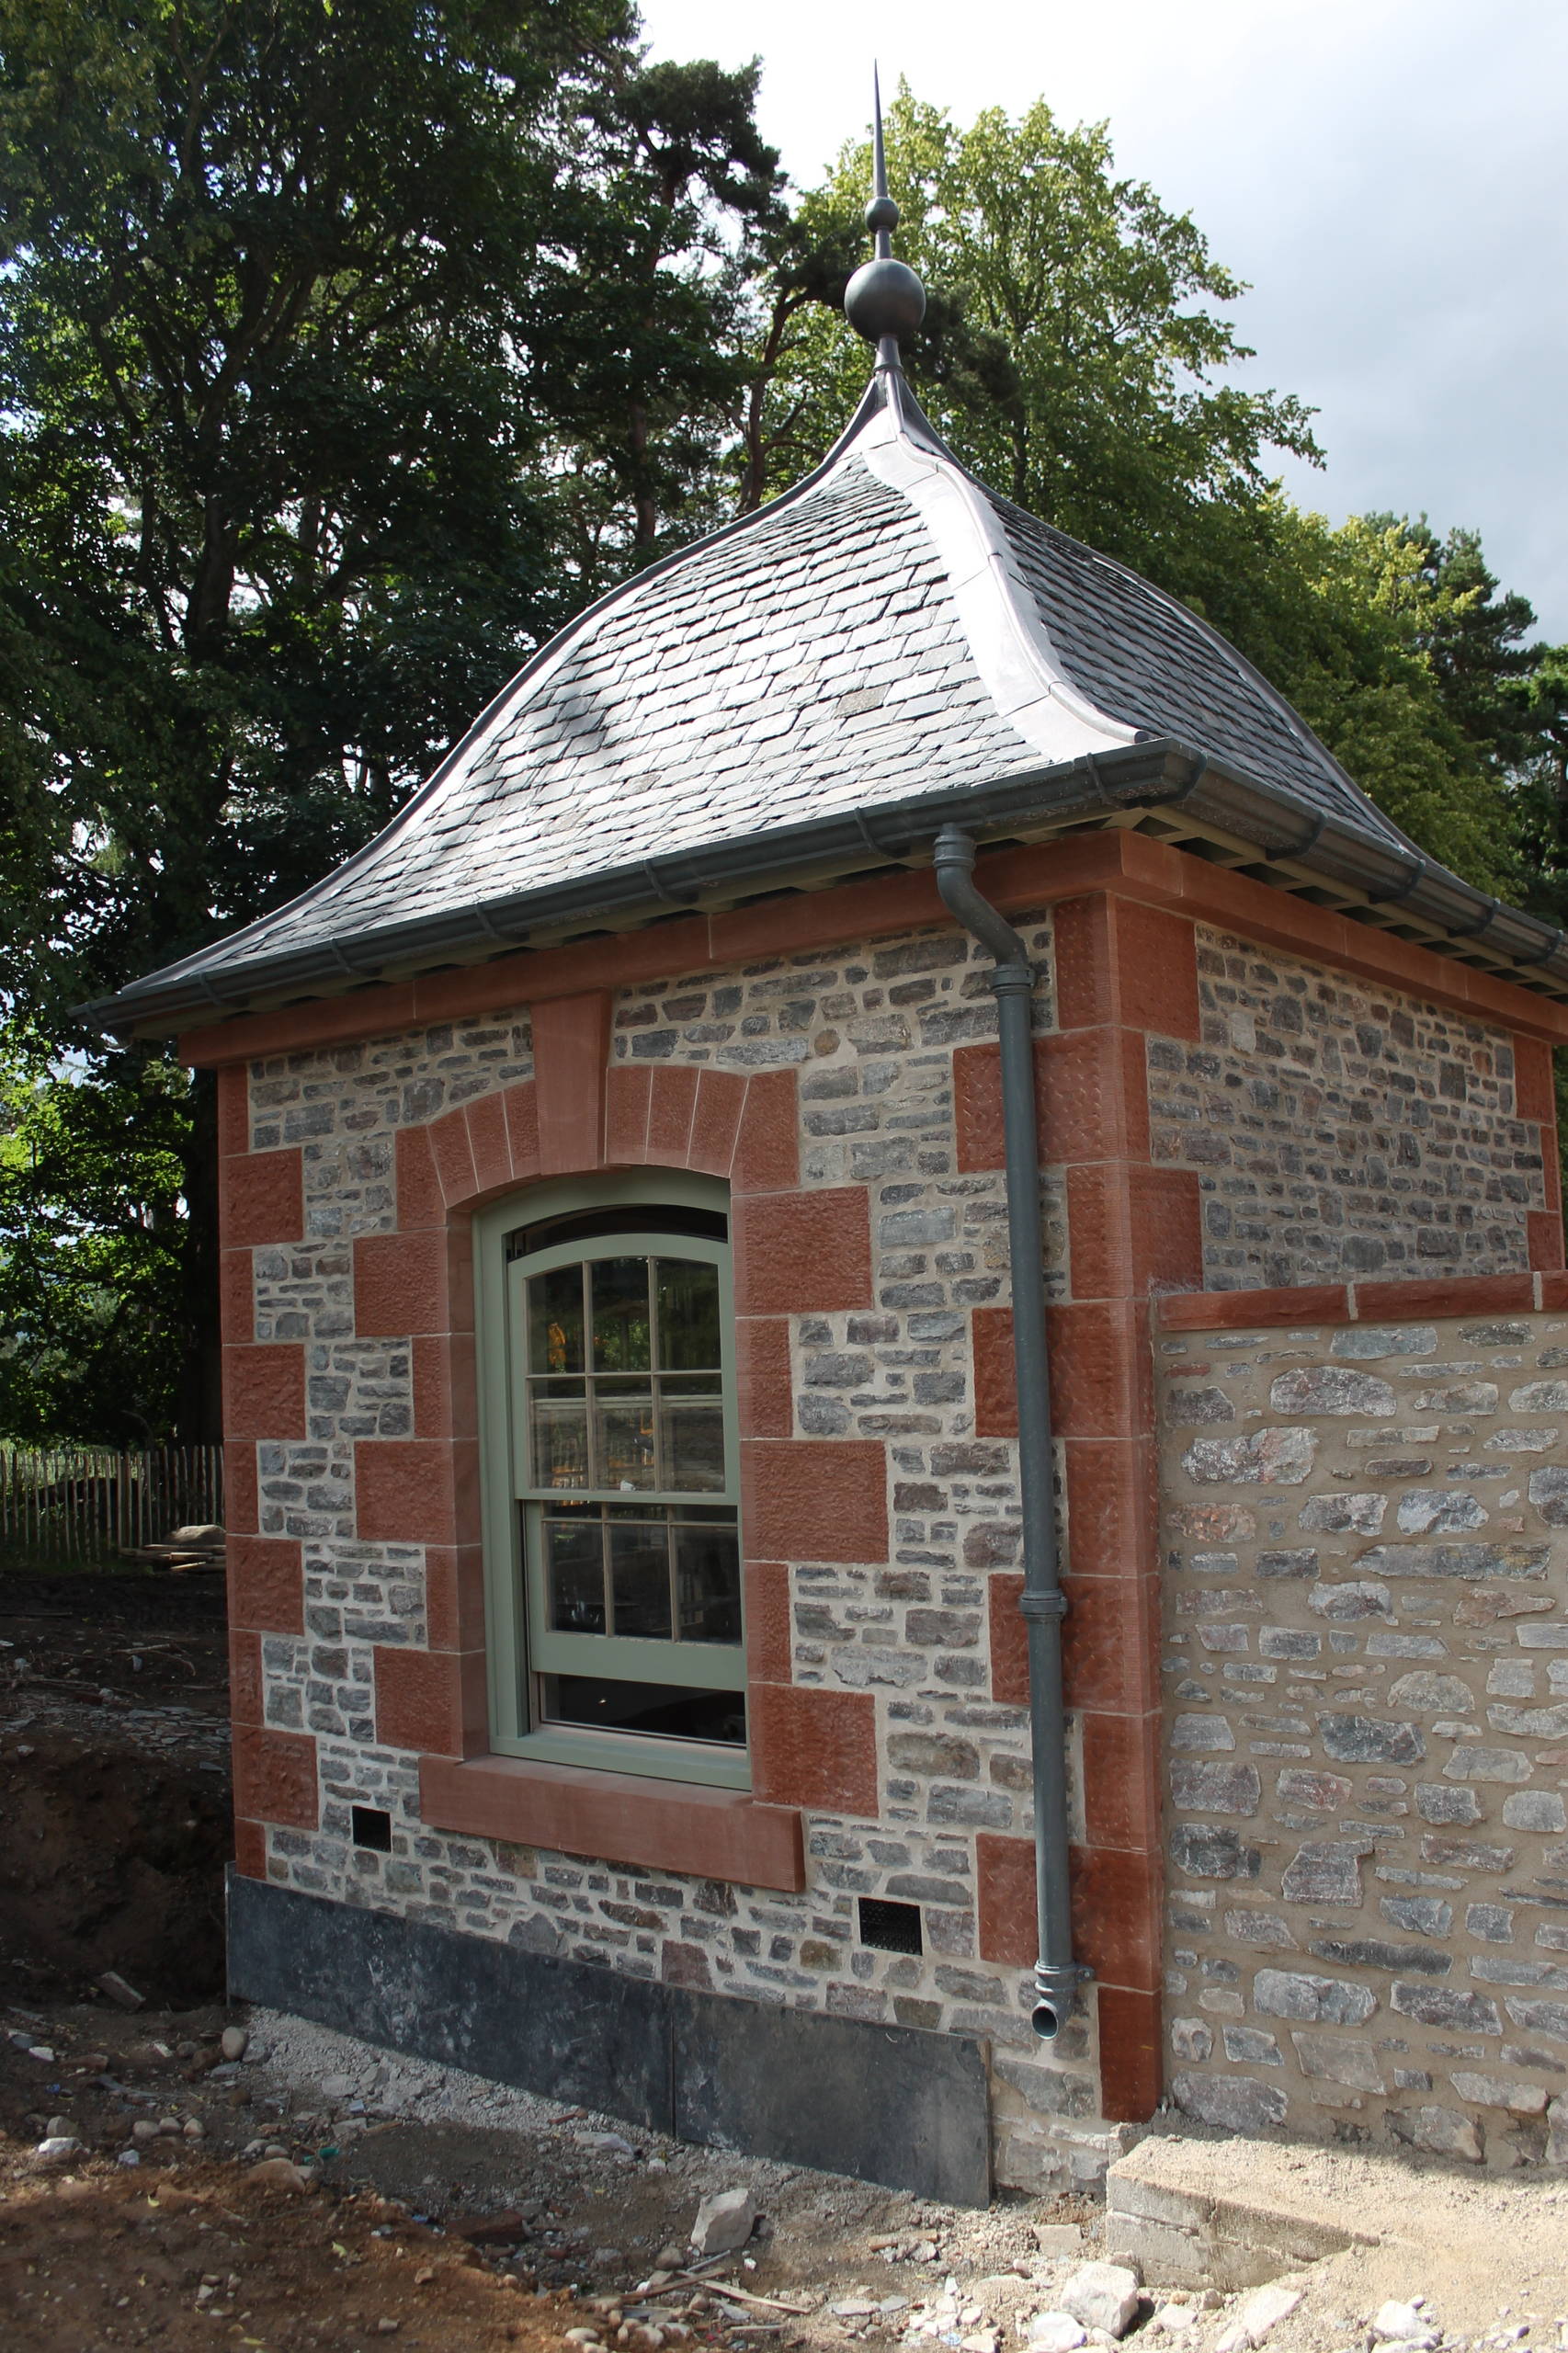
x=442, y=2210
x=114, y=1783
x=104, y=2259
x=446, y=2213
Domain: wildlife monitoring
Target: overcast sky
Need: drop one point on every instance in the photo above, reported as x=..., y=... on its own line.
x=1389, y=175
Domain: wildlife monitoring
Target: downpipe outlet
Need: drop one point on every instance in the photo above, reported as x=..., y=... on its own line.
x=1056, y=1992
x=1042, y=1605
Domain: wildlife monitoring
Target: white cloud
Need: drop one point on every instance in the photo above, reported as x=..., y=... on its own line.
x=1389, y=175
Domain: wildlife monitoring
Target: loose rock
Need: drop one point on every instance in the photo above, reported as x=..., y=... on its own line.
x=235, y=2043
x=1400, y=2324
x=1055, y=2333
x=724, y=2222
x=1258, y=2313
x=280, y=2173
x=1102, y=2295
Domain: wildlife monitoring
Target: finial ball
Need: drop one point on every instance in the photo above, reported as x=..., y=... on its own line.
x=881, y=213
x=884, y=298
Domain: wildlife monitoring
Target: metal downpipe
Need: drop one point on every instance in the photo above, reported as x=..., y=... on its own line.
x=1042, y=1604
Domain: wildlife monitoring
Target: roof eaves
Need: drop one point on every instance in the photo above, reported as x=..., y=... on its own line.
x=1119, y=777
x=1387, y=877
x=1385, y=882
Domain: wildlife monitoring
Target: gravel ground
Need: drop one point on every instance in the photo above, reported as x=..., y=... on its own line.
x=443, y=2210
x=1484, y=2259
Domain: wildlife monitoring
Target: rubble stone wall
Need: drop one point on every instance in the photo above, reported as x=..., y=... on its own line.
x=1365, y=1549
x=850, y=1095
x=867, y=1039
x=1339, y=1129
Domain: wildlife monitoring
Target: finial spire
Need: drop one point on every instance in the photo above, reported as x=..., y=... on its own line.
x=881, y=204
x=884, y=300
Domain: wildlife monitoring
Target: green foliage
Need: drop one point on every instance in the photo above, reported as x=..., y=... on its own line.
x=91, y=1247
x=1362, y=626
x=1535, y=703
x=303, y=306
x=344, y=352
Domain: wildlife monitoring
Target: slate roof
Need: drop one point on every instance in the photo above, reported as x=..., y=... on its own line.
x=888, y=633
x=1138, y=654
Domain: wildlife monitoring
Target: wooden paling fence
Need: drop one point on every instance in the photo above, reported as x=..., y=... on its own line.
x=87, y=1503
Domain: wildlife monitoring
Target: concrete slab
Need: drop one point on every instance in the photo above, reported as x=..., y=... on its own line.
x=1353, y=2227
x=1223, y=2213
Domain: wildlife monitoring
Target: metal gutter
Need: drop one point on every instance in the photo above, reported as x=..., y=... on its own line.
x=1042, y=1603
x=1132, y=777
x=1150, y=774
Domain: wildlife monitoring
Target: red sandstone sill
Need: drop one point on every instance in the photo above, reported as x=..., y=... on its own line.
x=1381, y=1303
x=617, y=1818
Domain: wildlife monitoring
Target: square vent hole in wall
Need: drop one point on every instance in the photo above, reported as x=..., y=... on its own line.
x=373, y=1827
x=891, y=1928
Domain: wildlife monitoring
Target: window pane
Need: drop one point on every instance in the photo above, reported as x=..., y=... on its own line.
x=639, y=1575
x=687, y=1295
x=574, y=1575
x=694, y=1445
x=626, y=1400
x=555, y=1320
x=558, y=1438
x=621, y=1314
x=708, y=1583
x=663, y=1709
x=625, y=1433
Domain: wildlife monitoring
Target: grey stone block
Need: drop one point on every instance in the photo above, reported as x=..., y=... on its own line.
x=1295, y=1994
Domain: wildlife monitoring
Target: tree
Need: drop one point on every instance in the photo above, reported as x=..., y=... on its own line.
x=91, y=1243
x=1351, y=623
x=323, y=330
x=684, y=158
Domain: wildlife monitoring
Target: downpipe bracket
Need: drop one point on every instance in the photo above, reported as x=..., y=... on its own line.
x=1045, y=1605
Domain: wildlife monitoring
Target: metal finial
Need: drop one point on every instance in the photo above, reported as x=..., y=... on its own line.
x=884, y=300
x=881, y=213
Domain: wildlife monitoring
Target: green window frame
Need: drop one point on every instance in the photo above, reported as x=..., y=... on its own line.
x=588, y=1467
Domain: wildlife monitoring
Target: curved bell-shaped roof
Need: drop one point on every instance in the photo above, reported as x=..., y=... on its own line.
x=888, y=647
